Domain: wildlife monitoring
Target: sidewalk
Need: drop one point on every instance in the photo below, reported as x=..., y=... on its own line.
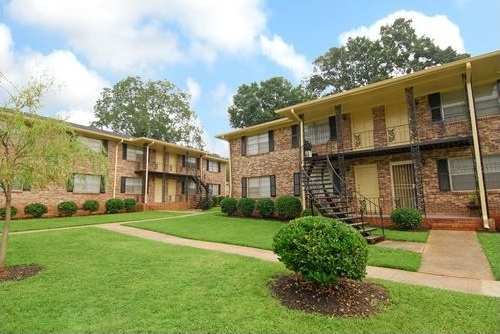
x=465, y=271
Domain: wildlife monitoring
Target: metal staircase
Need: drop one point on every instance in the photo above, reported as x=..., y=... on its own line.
x=203, y=192
x=332, y=197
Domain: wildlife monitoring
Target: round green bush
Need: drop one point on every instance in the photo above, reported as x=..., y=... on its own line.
x=228, y=206
x=288, y=207
x=35, y=210
x=246, y=206
x=307, y=212
x=114, y=205
x=67, y=209
x=219, y=199
x=206, y=203
x=129, y=204
x=13, y=211
x=322, y=250
x=406, y=218
x=265, y=207
x=90, y=205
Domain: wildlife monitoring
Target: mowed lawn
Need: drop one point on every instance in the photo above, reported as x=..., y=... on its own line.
x=100, y=281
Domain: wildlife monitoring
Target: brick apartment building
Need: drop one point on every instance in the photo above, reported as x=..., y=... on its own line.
x=157, y=174
x=429, y=140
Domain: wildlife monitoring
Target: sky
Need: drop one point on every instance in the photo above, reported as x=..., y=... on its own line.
x=207, y=48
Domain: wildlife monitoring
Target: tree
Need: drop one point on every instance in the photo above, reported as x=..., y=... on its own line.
x=35, y=151
x=154, y=109
x=257, y=102
x=361, y=61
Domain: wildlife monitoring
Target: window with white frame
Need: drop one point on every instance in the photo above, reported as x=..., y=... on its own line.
x=487, y=100
x=87, y=183
x=135, y=153
x=462, y=173
x=191, y=162
x=131, y=185
x=214, y=189
x=258, y=144
x=213, y=166
x=259, y=187
x=453, y=105
x=192, y=188
x=317, y=132
x=96, y=145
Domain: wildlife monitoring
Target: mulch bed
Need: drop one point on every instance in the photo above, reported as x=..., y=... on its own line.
x=349, y=299
x=19, y=272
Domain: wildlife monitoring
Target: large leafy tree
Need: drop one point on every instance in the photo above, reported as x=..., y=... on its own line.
x=35, y=151
x=257, y=102
x=154, y=109
x=362, y=61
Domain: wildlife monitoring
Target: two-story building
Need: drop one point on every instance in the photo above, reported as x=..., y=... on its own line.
x=157, y=174
x=429, y=140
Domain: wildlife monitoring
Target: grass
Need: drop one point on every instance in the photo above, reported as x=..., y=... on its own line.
x=398, y=235
x=19, y=225
x=258, y=233
x=100, y=281
x=490, y=242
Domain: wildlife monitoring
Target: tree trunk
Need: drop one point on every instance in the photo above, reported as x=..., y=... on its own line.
x=5, y=232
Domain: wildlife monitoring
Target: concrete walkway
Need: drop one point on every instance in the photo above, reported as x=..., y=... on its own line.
x=451, y=260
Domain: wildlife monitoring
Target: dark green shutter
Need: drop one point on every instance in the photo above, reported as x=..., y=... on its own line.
x=435, y=107
x=123, y=184
x=124, y=151
x=243, y=187
x=102, y=185
x=332, y=120
x=295, y=136
x=443, y=175
x=272, y=180
x=271, y=141
x=243, y=146
x=71, y=183
x=105, y=146
x=296, y=184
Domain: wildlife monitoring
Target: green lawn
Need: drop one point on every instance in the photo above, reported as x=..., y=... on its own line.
x=18, y=225
x=99, y=281
x=490, y=242
x=258, y=233
x=412, y=236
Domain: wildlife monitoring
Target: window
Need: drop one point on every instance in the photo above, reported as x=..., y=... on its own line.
x=296, y=184
x=258, y=144
x=96, y=145
x=190, y=162
x=213, y=166
x=133, y=153
x=192, y=188
x=435, y=107
x=462, y=174
x=214, y=189
x=454, y=108
x=259, y=187
x=487, y=100
x=131, y=185
x=19, y=186
x=317, y=132
x=87, y=184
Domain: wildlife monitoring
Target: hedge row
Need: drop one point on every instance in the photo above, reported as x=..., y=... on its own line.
x=69, y=208
x=284, y=207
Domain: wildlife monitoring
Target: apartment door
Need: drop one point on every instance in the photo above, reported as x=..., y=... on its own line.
x=403, y=185
x=366, y=181
x=171, y=189
x=158, y=190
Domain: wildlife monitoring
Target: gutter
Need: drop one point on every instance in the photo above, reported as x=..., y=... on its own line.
x=147, y=174
x=301, y=146
x=477, y=149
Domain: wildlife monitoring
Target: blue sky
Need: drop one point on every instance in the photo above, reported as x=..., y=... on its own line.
x=207, y=47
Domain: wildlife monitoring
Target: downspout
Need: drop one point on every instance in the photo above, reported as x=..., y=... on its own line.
x=116, y=168
x=476, y=148
x=301, y=150
x=147, y=174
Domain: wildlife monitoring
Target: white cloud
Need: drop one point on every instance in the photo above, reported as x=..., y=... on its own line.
x=284, y=54
x=439, y=28
x=194, y=90
x=120, y=34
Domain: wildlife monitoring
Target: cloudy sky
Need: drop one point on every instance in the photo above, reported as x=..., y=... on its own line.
x=207, y=47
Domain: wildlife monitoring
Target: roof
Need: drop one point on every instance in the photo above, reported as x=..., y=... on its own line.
x=484, y=68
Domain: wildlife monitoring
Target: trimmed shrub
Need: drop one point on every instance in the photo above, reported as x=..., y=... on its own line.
x=67, y=209
x=219, y=199
x=228, y=206
x=13, y=211
x=322, y=250
x=129, y=204
x=90, y=205
x=288, y=207
x=114, y=205
x=406, y=218
x=307, y=212
x=246, y=206
x=265, y=207
x=206, y=203
x=35, y=210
